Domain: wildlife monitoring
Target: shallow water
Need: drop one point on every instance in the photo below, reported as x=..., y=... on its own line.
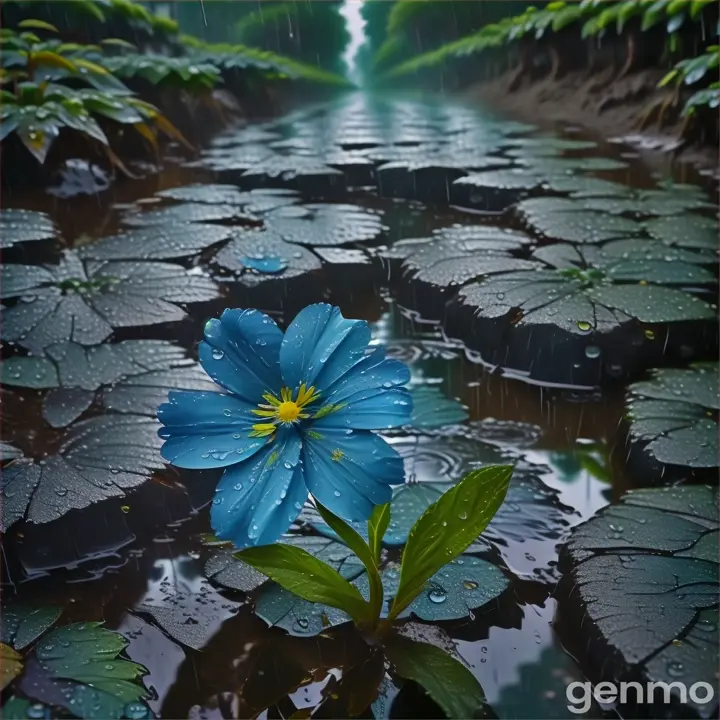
x=122, y=559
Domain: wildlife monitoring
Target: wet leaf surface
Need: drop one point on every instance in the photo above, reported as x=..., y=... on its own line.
x=280, y=608
x=526, y=528
x=458, y=254
x=161, y=242
x=190, y=615
x=189, y=213
x=694, y=231
x=79, y=302
x=463, y=585
x=325, y=224
x=226, y=570
x=79, y=667
x=674, y=415
x=9, y=452
x=643, y=578
x=20, y=226
x=432, y=409
x=23, y=624
x=588, y=292
x=134, y=375
x=574, y=221
x=255, y=202
x=257, y=256
x=99, y=458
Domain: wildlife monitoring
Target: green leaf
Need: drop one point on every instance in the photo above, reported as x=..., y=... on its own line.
x=653, y=15
x=52, y=59
x=88, y=654
x=447, y=681
x=448, y=527
x=377, y=525
x=16, y=709
x=23, y=624
x=37, y=134
x=37, y=25
x=353, y=540
x=306, y=576
x=118, y=42
x=668, y=78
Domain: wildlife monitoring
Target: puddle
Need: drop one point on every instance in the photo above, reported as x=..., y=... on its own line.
x=136, y=560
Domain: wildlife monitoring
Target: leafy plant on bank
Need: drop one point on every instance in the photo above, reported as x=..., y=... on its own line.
x=179, y=72
x=314, y=33
x=589, y=20
x=37, y=104
x=442, y=533
x=89, y=21
x=230, y=58
x=701, y=73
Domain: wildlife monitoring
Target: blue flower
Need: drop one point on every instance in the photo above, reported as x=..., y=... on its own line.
x=296, y=416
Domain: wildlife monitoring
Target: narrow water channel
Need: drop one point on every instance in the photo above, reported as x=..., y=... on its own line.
x=138, y=561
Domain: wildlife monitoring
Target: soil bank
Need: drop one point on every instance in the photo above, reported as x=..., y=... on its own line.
x=614, y=108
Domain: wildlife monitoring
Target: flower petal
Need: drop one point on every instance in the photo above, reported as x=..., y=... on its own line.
x=370, y=395
x=350, y=471
x=373, y=409
x=256, y=501
x=206, y=430
x=241, y=352
x=320, y=345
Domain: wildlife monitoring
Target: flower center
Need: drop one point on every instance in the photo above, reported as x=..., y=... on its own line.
x=288, y=412
x=284, y=409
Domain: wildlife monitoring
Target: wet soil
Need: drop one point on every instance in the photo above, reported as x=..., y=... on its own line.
x=613, y=108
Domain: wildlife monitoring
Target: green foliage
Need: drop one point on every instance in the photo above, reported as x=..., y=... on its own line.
x=703, y=99
x=93, y=20
x=693, y=70
x=231, y=58
x=447, y=528
x=377, y=526
x=447, y=681
x=40, y=104
x=309, y=32
x=364, y=552
x=304, y=575
x=78, y=667
x=421, y=26
x=182, y=72
x=590, y=18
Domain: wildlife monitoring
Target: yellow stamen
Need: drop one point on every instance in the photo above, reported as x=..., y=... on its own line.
x=271, y=399
x=263, y=429
x=283, y=410
x=265, y=413
x=337, y=455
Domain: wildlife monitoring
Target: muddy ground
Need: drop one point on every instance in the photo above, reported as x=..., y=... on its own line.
x=614, y=108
